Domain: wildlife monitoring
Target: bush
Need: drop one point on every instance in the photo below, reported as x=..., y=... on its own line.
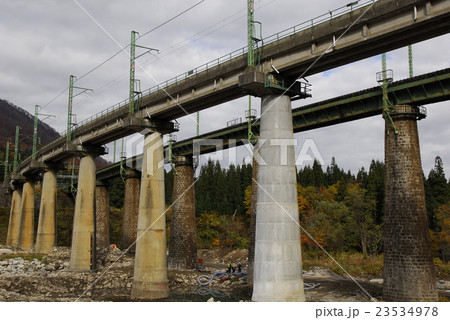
x=215, y=230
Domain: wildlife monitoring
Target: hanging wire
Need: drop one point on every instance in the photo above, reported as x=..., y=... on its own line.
x=149, y=61
x=117, y=53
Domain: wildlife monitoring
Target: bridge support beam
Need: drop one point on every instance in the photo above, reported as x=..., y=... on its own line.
x=102, y=215
x=83, y=235
x=26, y=234
x=12, y=238
x=46, y=232
x=183, y=236
x=150, y=268
x=408, y=266
x=130, y=210
x=278, y=265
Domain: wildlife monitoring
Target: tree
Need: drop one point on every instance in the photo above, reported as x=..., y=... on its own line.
x=375, y=189
x=320, y=178
x=362, y=177
x=333, y=173
x=116, y=193
x=443, y=218
x=326, y=224
x=361, y=214
x=437, y=191
x=305, y=176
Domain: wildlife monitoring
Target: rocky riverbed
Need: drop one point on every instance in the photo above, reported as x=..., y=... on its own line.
x=25, y=277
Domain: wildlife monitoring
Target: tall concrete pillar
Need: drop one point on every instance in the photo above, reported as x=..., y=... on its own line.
x=12, y=238
x=408, y=266
x=26, y=233
x=102, y=215
x=46, y=232
x=150, y=267
x=83, y=235
x=183, y=236
x=252, y=227
x=130, y=209
x=278, y=264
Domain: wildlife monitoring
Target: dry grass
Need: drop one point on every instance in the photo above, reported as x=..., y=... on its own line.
x=354, y=263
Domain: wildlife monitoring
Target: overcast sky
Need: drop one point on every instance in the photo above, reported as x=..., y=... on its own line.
x=45, y=41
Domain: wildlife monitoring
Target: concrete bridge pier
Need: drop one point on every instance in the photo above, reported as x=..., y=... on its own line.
x=12, y=238
x=183, y=237
x=26, y=233
x=130, y=210
x=278, y=265
x=408, y=266
x=150, y=268
x=46, y=232
x=82, y=256
x=102, y=214
x=252, y=228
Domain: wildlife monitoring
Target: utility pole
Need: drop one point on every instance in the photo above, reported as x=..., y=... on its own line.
x=251, y=114
x=35, y=128
x=114, y=154
x=384, y=78
x=198, y=123
x=6, y=163
x=384, y=81
x=133, y=58
x=16, y=150
x=132, y=70
x=250, y=33
x=70, y=114
x=410, y=60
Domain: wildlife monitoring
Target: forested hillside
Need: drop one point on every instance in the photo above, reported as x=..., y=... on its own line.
x=12, y=116
x=340, y=210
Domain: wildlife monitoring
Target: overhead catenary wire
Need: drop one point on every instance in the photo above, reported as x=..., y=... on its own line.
x=241, y=16
x=149, y=62
x=118, y=52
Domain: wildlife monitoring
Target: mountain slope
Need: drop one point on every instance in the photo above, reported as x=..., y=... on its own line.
x=11, y=115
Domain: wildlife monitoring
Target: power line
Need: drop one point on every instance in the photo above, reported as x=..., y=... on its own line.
x=154, y=29
x=212, y=28
x=173, y=18
x=117, y=53
x=241, y=16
